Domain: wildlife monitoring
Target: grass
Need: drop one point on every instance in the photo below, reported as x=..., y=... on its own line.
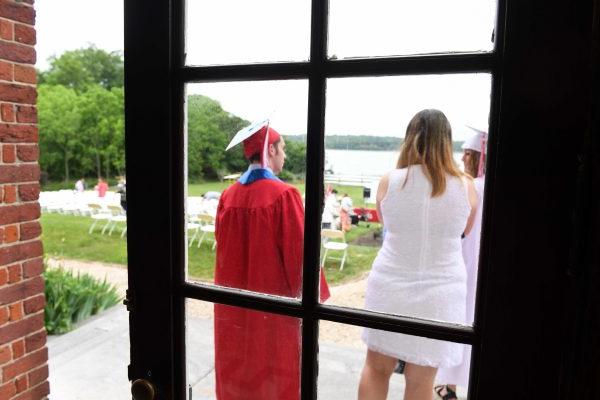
x=66, y=236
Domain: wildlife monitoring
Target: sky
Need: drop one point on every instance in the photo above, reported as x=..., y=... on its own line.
x=238, y=31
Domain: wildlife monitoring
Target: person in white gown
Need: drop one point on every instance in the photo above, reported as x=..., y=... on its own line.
x=474, y=152
x=427, y=203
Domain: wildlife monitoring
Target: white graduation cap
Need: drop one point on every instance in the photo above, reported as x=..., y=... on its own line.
x=476, y=141
x=248, y=131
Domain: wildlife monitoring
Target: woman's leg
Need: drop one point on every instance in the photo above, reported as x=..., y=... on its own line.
x=419, y=382
x=375, y=377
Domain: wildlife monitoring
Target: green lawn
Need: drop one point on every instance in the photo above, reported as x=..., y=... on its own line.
x=67, y=236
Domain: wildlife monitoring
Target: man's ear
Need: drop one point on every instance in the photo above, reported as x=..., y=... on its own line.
x=272, y=150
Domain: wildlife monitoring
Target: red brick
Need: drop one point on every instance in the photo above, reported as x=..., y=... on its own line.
x=32, y=268
x=35, y=341
x=23, y=289
x=19, y=252
x=6, y=71
x=21, y=383
x=15, y=312
x=3, y=276
x=26, y=114
x=3, y=315
x=5, y=355
x=10, y=196
x=29, y=191
x=1, y=229
x=28, y=152
x=38, y=392
x=24, y=34
x=17, y=52
x=34, y=304
x=24, y=73
x=18, y=349
x=24, y=364
x=18, y=329
x=30, y=230
x=14, y=273
x=9, y=155
x=38, y=375
x=19, y=213
x=19, y=173
x=17, y=93
x=7, y=112
x=18, y=133
x=8, y=390
x=6, y=29
x=17, y=12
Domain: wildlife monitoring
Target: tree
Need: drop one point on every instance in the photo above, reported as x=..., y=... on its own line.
x=209, y=130
x=102, y=127
x=78, y=69
x=59, y=123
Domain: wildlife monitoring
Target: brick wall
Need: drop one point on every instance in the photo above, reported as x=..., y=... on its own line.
x=23, y=352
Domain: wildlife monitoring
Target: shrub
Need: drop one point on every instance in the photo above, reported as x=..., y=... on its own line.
x=72, y=298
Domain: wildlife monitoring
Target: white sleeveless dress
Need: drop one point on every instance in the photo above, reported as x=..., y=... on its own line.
x=419, y=271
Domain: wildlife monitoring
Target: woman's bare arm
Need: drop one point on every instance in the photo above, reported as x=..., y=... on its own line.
x=381, y=192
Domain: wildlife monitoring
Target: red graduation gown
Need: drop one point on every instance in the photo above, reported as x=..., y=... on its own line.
x=259, y=232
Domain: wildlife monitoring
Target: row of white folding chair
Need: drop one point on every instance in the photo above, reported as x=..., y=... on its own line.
x=112, y=214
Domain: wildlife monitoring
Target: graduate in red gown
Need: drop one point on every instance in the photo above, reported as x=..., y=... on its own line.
x=260, y=234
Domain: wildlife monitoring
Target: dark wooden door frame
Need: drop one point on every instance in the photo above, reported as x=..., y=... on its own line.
x=542, y=104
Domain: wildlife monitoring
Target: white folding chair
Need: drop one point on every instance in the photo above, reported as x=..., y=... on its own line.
x=193, y=224
x=117, y=215
x=332, y=242
x=98, y=214
x=207, y=225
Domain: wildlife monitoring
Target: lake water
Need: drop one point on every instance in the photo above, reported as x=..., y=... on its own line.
x=364, y=162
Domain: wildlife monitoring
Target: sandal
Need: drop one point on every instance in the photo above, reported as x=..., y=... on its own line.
x=450, y=394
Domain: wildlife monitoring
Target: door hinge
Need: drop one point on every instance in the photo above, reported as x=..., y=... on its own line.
x=129, y=300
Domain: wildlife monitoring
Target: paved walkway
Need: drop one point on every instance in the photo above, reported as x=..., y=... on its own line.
x=90, y=363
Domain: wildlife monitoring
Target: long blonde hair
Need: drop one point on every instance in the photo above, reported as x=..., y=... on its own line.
x=428, y=141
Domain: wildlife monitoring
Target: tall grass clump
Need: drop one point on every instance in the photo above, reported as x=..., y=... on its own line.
x=72, y=298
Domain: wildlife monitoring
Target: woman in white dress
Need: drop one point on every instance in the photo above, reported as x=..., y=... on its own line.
x=474, y=152
x=426, y=204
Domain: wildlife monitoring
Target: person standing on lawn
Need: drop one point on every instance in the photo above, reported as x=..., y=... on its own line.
x=260, y=240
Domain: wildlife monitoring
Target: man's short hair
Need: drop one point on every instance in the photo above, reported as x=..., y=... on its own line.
x=254, y=158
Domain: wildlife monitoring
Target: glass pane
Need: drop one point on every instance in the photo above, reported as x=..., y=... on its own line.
x=238, y=353
x=254, y=241
x=342, y=355
x=388, y=28
x=420, y=270
x=241, y=32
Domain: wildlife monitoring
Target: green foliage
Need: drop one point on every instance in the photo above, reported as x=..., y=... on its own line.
x=296, y=157
x=81, y=68
x=59, y=121
x=73, y=298
x=210, y=128
x=81, y=134
x=362, y=142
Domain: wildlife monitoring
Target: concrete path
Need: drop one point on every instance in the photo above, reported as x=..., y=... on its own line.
x=90, y=363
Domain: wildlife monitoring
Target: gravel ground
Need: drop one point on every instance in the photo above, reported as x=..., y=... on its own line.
x=348, y=295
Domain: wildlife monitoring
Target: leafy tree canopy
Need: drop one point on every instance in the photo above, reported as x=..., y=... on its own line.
x=81, y=68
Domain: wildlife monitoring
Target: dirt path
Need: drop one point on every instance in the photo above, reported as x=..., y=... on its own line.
x=347, y=295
